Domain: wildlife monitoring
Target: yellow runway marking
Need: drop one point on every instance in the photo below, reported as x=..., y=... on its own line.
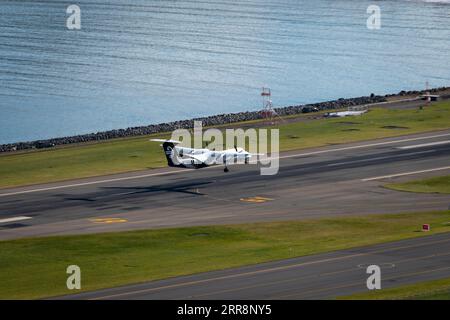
x=256, y=199
x=108, y=220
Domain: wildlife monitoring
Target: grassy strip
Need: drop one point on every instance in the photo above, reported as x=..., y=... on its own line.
x=429, y=290
x=131, y=154
x=431, y=185
x=35, y=268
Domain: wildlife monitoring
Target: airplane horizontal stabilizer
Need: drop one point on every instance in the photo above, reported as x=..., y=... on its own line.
x=166, y=140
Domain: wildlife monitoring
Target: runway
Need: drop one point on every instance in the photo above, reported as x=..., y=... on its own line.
x=334, y=180
x=321, y=276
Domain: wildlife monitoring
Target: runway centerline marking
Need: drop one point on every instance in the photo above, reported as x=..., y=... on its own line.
x=195, y=282
x=405, y=174
x=184, y=170
x=14, y=219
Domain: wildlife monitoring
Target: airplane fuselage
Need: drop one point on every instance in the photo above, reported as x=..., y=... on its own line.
x=209, y=157
x=184, y=157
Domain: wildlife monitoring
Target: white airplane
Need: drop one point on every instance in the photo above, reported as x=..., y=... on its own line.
x=183, y=157
x=345, y=113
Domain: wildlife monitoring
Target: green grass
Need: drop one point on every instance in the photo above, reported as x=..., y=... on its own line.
x=35, y=268
x=122, y=155
x=430, y=185
x=429, y=290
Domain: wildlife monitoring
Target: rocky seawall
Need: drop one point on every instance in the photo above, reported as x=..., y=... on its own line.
x=207, y=121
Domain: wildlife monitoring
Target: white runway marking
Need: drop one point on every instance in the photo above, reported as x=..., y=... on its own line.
x=424, y=145
x=380, y=158
x=14, y=219
x=405, y=174
x=182, y=170
x=91, y=182
x=365, y=145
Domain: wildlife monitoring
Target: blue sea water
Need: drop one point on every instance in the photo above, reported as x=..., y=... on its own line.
x=149, y=61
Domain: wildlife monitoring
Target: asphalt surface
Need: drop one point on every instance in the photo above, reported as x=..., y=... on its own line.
x=328, y=181
x=321, y=276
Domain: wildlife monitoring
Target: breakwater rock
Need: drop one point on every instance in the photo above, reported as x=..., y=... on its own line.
x=214, y=120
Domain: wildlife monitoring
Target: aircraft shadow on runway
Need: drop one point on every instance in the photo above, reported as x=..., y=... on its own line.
x=183, y=188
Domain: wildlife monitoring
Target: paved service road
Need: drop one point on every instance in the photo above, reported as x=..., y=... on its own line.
x=328, y=181
x=313, y=277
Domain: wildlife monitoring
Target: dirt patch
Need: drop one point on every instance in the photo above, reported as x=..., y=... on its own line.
x=347, y=122
x=199, y=235
x=394, y=127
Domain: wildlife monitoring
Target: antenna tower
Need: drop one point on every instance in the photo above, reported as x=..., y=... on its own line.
x=267, y=107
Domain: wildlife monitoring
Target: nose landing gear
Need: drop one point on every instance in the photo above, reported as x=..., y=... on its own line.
x=225, y=169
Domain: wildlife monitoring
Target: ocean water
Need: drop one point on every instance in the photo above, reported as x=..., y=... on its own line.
x=149, y=61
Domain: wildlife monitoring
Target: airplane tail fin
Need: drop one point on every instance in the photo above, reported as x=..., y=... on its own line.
x=171, y=154
x=170, y=151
